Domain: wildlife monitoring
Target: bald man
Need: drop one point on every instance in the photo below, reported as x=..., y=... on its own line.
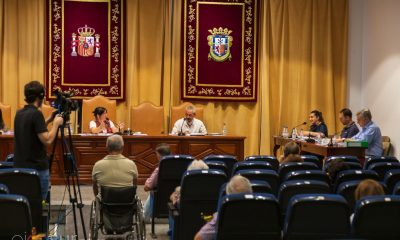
x=236, y=185
x=114, y=170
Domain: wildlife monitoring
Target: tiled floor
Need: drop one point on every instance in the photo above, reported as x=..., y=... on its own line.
x=60, y=196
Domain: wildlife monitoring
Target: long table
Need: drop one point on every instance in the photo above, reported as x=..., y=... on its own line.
x=90, y=148
x=321, y=150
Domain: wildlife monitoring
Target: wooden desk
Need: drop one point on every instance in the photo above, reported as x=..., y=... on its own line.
x=319, y=149
x=89, y=149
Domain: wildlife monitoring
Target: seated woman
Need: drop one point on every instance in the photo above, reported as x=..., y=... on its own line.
x=102, y=124
x=367, y=187
x=318, y=127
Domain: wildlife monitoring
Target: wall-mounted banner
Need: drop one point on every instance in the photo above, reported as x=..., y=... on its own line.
x=219, y=40
x=86, y=48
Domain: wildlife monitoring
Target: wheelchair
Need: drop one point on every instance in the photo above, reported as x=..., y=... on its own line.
x=117, y=213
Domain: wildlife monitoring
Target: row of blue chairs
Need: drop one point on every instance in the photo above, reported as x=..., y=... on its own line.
x=21, y=203
x=309, y=216
x=305, y=209
x=171, y=169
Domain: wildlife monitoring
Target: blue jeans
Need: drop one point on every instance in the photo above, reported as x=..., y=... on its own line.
x=44, y=176
x=148, y=207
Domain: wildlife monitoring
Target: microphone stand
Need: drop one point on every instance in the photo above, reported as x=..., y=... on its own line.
x=181, y=132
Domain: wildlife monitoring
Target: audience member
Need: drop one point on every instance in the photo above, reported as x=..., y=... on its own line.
x=292, y=158
x=162, y=150
x=350, y=128
x=176, y=195
x=318, y=127
x=236, y=185
x=333, y=169
x=31, y=136
x=289, y=149
x=367, y=187
x=101, y=123
x=370, y=133
x=114, y=170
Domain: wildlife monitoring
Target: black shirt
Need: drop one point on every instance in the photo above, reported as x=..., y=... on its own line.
x=321, y=128
x=29, y=151
x=349, y=131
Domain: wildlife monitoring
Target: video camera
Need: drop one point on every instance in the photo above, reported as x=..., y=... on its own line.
x=64, y=104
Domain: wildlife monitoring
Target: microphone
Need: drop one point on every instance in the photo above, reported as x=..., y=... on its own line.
x=181, y=132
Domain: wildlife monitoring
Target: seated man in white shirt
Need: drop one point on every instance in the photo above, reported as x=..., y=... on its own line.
x=189, y=124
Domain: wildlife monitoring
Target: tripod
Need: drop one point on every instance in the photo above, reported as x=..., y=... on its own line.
x=71, y=175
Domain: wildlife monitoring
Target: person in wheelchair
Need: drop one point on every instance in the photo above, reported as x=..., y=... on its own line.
x=236, y=185
x=116, y=209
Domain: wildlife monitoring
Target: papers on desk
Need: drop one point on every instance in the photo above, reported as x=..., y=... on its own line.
x=215, y=134
x=197, y=134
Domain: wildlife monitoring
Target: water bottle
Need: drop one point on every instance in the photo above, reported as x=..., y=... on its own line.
x=224, y=130
x=294, y=133
x=285, y=133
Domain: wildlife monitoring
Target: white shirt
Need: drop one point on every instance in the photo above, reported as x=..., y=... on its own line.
x=196, y=126
x=93, y=124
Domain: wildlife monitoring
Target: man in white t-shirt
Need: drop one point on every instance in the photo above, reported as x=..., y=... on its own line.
x=189, y=124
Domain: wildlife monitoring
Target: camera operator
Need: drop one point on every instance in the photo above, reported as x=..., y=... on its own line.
x=31, y=136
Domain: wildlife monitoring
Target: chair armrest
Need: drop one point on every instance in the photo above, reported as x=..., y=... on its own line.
x=173, y=210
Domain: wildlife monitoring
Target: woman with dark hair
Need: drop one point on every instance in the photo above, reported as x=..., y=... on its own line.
x=101, y=123
x=2, y=125
x=318, y=127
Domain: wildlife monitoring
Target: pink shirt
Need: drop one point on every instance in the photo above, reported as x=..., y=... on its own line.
x=151, y=182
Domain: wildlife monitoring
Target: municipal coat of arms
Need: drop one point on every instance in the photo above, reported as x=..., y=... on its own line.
x=86, y=44
x=220, y=44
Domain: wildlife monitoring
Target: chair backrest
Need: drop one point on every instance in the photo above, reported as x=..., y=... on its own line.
x=265, y=158
x=4, y=189
x=318, y=175
x=251, y=165
x=199, y=196
x=317, y=216
x=347, y=189
x=344, y=158
x=218, y=165
x=10, y=157
x=148, y=118
x=372, y=160
x=16, y=217
x=178, y=112
x=383, y=167
x=270, y=176
x=289, y=189
x=13, y=177
x=170, y=174
x=117, y=208
x=386, y=144
x=229, y=160
x=313, y=159
x=237, y=209
x=396, y=189
x=6, y=112
x=377, y=217
x=4, y=165
x=354, y=165
x=392, y=177
x=285, y=168
x=351, y=175
x=88, y=106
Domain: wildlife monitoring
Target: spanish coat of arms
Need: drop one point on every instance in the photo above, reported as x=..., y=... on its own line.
x=86, y=44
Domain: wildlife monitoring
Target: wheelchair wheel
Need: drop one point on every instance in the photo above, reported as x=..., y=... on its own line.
x=93, y=233
x=139, y=219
